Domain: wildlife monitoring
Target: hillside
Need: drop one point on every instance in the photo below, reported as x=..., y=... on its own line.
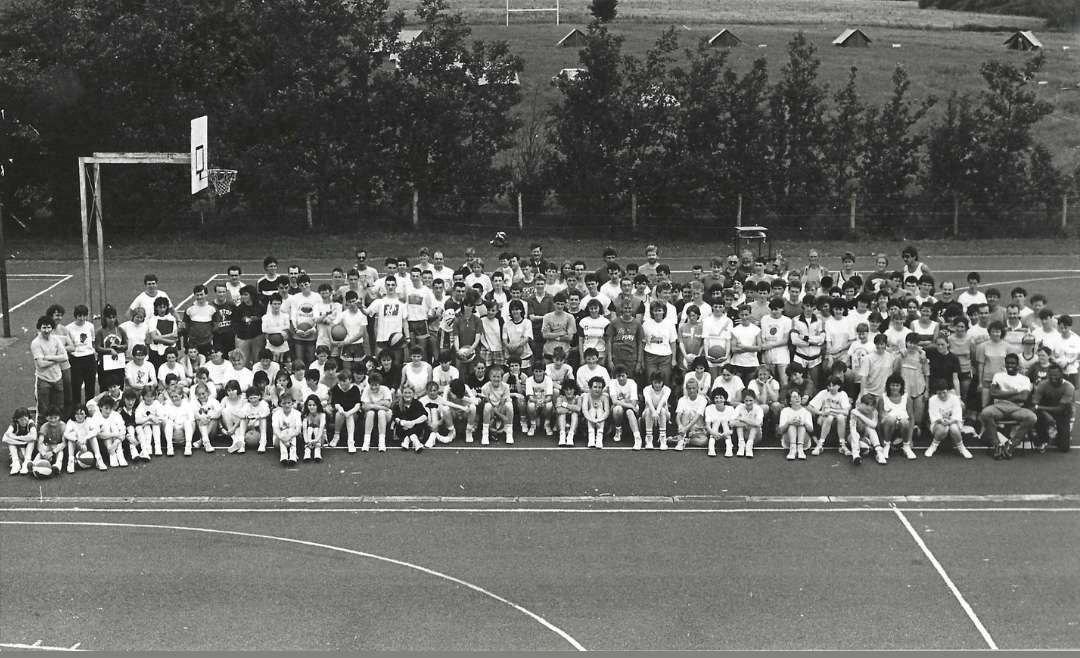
x=1058, y=13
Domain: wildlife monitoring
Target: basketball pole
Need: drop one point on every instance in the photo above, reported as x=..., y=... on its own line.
x=3, y=275
x=84, y=215
x=100, y=235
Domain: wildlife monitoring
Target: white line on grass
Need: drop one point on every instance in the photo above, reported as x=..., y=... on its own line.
x=38, y=646
x=192, y=295
x=948, y=581
x=27, y=301
x=36, y=276
x=1048, y=278
x=339, y=549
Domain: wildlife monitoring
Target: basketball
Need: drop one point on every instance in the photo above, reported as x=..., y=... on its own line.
x=717, y=353
x=85, y=459
x=304, y=327
x=42, y=468
x=339, y=332
x=395, y=339
x=277, y=340
x=251, y=437
x=466, y=354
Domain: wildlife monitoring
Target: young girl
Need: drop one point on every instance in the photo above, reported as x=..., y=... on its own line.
x=410, y=420
x=656, y=410
x=148, y=422
x=233, y=419
x=896, y=418
x=110, y=431
x=191, y=361
x=445, y=373
x=863, y=427
x=498, y=409
x=129, y=401
x=347, y=401
x=595, y=408
x=690, y=416
x=718, y=418
x=111, y=345
x=256, y=413
x=915, y=369
x=376, y=403
x=946, y=414
x=287, y=425
x=832, y=407
x=462, y=401
x=50, y=444
x=567, y=406
x=559, y=370
x=172, y=366
x=515, y=380
x=207, y=414
x=164, y=331
x=21, y=434
x=749, y=417
x=767, y=394
x=438, y=415
x=80, y=434
x=314, y=428
x=795, y=426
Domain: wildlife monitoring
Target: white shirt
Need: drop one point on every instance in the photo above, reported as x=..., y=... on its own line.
x=719, y=421
x=585, y=373
x=82, y=337
x=832, y=405
x=946, y=412
x=716, y=331
x=146, y=302
x=966, y=299
x=627, y=392
x=387, y=312
x=659, y=336
x=543, y=389
x=1067, y=352
x=1018, y=383
x=744, y=336
x=788, y=415
x=697, y=405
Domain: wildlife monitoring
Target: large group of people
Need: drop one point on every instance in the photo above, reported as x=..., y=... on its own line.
x=745, y=351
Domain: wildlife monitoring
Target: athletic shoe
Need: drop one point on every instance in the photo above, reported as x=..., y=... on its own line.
x=749, y=451
x=618, y=435
x=817, y=450
x=880, y=456
x=352, y=450
x=333, y=442
x=791, y=455
x=187, y=451
x=908, y=452
x=509, y=439
x=712, y=450
x=856, y=460
x=844, y=449
x=727, y=451
x=800, y=453
x=70, y=468
x=14, y=469
x=962, y=449
x=532, y=430
x=932, y=449
x=1007, y=450
x=680, y=444
x=101, y=466
x=742, y=449
x=637, y=443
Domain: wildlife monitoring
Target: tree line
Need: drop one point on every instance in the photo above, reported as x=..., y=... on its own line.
x=322, y=100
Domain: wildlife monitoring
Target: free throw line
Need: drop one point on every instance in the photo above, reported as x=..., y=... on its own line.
x=948, y=581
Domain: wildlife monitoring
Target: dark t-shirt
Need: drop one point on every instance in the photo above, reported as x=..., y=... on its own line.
x=947, y=311
x=247, y=321
x=1052, y=396
x=267, y=287
x=347, y=399
x=223, y=319
x=625, y=339
x=943, y=366
x=466, y=328
x=414, y=411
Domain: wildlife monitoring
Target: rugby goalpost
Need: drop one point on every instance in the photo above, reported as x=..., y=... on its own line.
x=197, y=159
x=530, y=10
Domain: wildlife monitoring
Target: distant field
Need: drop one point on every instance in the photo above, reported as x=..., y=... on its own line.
x=905, y=13
x=938, y=61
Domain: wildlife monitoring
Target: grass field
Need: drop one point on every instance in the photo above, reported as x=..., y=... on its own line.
x=860, y=12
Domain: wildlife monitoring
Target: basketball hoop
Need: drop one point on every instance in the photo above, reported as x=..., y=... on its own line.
x=222, y=180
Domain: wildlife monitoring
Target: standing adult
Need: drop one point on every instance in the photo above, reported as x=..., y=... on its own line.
x=48, y=352
x=148, y=297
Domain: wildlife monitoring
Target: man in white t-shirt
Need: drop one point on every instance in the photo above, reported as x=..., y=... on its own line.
x=1009, y=392
x=145, y=299
x=390, y=319
x=716, y=336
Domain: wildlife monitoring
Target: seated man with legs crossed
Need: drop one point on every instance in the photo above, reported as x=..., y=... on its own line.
x=1009, y=392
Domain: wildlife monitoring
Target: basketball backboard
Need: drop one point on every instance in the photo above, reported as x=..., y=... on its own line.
x=200, y=157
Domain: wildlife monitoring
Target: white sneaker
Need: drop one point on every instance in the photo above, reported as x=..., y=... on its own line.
x=800, y=453
x=112, y=460
x=712, y=450
x=637, y=443
x=663, y=443
x=649, y=444
x=749, y=451
x=120, y=459
x=101, y=466
x=908, y=452
x=509, y=439
x=14, y=469
x=70, y=467
x=962, y=449
x=932, y=449
x=791, y=455
x=844, y=449
x=381, y=448
x=680, y=444
x=817, y=450
x=880, y=455
x=187, y=451
x=599, y=441
x=618, y=436
x=532, y=430
x=484, y=440
x=742, y=449
x=727, y=451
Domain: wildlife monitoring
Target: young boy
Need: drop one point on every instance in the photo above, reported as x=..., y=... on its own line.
x=139, y=373
x=498, y=408
x=540, y=399
x=623, y=392
x=795, y=425
x=595, y=408
x=287, y=425
x=50, y=439
x=690, y=416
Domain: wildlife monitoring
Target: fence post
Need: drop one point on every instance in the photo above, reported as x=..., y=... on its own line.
x=955, y=215
x=851, y=214
x=521, y=215
x=633, y=211
x=415, y=208
x=738, y=213
x=1064, y=211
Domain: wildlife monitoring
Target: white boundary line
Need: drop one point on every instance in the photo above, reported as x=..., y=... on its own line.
x=521, y=510
x=339, y=549
x=35, y=276
x=1048, y=278
x=67, y=277
x=38, y=646
x=192, y=295
x=948, y=581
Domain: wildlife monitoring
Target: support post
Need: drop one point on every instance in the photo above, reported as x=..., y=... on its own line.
x=521, y=214
x=633, y=211
x=851, y=214
x=1064, y=212
x=102, y=297
x=507, y=13
x=955, y=215
x=738, y=213
x=84, y=215
x=3, y=276
x=557, y=11
x=415, y=208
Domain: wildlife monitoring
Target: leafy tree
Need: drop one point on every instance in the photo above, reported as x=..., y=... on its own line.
x=797, y=131
x=846, y=141
x=604, y=10
x=952, y=151
x=892, y=148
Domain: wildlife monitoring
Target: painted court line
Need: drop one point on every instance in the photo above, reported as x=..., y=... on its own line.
x=339, y=549
x=192, y=295
x=66, y=278
x=36, y=276
x=948, y=581
x=38, y=646
x=522, y=510
x=602, y=500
